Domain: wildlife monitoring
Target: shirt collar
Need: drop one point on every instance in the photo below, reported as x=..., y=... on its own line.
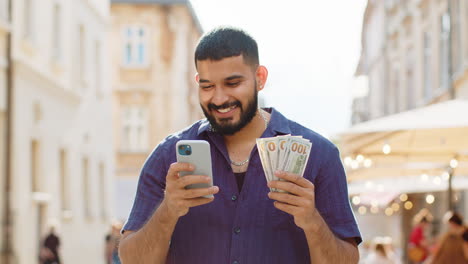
x=278, y=123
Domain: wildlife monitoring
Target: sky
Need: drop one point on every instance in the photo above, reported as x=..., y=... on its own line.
x=310, y=48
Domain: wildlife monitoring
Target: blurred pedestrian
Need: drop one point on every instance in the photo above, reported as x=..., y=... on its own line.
x=418, y=247
x=112, y=244
x=379, y=255
x=49, y=252
x=450, y=248
x=465, y=243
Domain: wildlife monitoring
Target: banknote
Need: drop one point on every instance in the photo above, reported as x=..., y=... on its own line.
x=283, y=153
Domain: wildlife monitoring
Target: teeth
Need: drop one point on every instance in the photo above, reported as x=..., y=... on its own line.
x=225, y=110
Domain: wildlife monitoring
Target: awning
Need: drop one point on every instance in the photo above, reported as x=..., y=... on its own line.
x=419, y=142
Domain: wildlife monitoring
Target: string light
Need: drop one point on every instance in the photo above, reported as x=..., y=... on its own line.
x=356, y=200
x=430, y=199
x=445, y=176
x=403, y=197
x=437, y=180
x=389, y=211
x=360, y=158
x=374, y=209
x=367, y=163
x=453, y=163
x=408, y=205
x=362, y=210
x=424, y=177
x=386, y=149
x=348, y=161
x=395, y=207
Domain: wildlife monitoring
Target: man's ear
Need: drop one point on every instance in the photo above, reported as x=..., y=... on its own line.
x=197, y=78
x=262, y=76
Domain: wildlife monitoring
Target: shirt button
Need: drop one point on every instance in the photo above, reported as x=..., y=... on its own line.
x=234, y=198
x=235, y=262
x=237, y=230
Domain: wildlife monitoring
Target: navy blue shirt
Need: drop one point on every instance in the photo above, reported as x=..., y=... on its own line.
x=245, y=227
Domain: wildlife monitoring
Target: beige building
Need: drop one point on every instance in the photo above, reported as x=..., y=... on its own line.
x=405, y=55
x=414, y=54
x=62, y=157
x=154, y=89
x=4, y=30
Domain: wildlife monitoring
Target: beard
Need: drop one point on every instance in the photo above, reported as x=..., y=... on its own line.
x=224, y=126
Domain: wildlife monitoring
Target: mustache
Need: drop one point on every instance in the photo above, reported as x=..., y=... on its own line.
x=225, y=105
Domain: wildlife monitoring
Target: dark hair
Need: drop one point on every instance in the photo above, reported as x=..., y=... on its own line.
x=225, y=42
x=456, y=219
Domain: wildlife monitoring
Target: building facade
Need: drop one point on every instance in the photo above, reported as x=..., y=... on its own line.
x=153, y=80
x=4, y=30
x=414, y=53
x=62, y=156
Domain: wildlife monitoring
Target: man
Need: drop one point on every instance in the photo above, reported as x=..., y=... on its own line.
x=244, y=222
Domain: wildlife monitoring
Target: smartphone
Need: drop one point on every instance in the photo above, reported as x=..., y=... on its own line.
x=196, y=152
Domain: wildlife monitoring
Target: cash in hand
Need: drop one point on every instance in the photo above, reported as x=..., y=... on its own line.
x=283, y=153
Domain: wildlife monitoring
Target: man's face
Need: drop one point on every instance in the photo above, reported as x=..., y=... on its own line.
x=227, y=93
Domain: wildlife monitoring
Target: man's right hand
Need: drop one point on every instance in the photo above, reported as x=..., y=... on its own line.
x=177, y=199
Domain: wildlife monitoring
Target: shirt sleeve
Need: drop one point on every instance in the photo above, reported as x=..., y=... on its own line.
x=150, y=190
x=331, y=198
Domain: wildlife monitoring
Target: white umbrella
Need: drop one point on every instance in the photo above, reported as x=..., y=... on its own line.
x=424, y=141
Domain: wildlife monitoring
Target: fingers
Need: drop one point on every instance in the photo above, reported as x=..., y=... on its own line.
x=293, y=188
x=182, y=182
x=176, y=167
x=291, y=199
x=297, y=179
x=199, y=192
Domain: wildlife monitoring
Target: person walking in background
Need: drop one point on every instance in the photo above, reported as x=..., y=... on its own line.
x=49, y=252
x=112, y=244
x=465, y=243
x=379, y=256
x=450, y=248
x=418, y=248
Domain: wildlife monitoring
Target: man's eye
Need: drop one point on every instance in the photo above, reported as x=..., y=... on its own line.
x=233, y=84
x=206, y=86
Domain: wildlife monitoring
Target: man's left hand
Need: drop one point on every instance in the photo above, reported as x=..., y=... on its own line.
x=299, y=202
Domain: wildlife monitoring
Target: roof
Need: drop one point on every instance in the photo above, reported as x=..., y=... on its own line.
x=166, y=2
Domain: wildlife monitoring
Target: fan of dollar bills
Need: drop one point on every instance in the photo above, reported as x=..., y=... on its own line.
x=283, y=153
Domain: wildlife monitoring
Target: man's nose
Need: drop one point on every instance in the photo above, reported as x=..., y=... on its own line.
x=220, y=96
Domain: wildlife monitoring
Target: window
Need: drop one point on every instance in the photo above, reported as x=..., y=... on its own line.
x=134, y=129
x=35, y=166
x=64, y=194
x=86, y=193
x=56, y=33
x=97, y=71
x=427, y=66
x=135, y=48
x=103, y=190
x=28, y=18
x=4, y=10
x=444, y=51
x=410, y=79
x=395, y=86
x=81, y=54
x=456, y=37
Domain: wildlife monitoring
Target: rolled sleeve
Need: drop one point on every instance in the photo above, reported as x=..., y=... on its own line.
x=150, y=190
x=331, y=192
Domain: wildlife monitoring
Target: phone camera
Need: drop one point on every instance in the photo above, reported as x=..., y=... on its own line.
x=185, y=150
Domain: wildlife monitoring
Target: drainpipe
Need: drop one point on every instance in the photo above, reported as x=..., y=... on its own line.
x=7, y=245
